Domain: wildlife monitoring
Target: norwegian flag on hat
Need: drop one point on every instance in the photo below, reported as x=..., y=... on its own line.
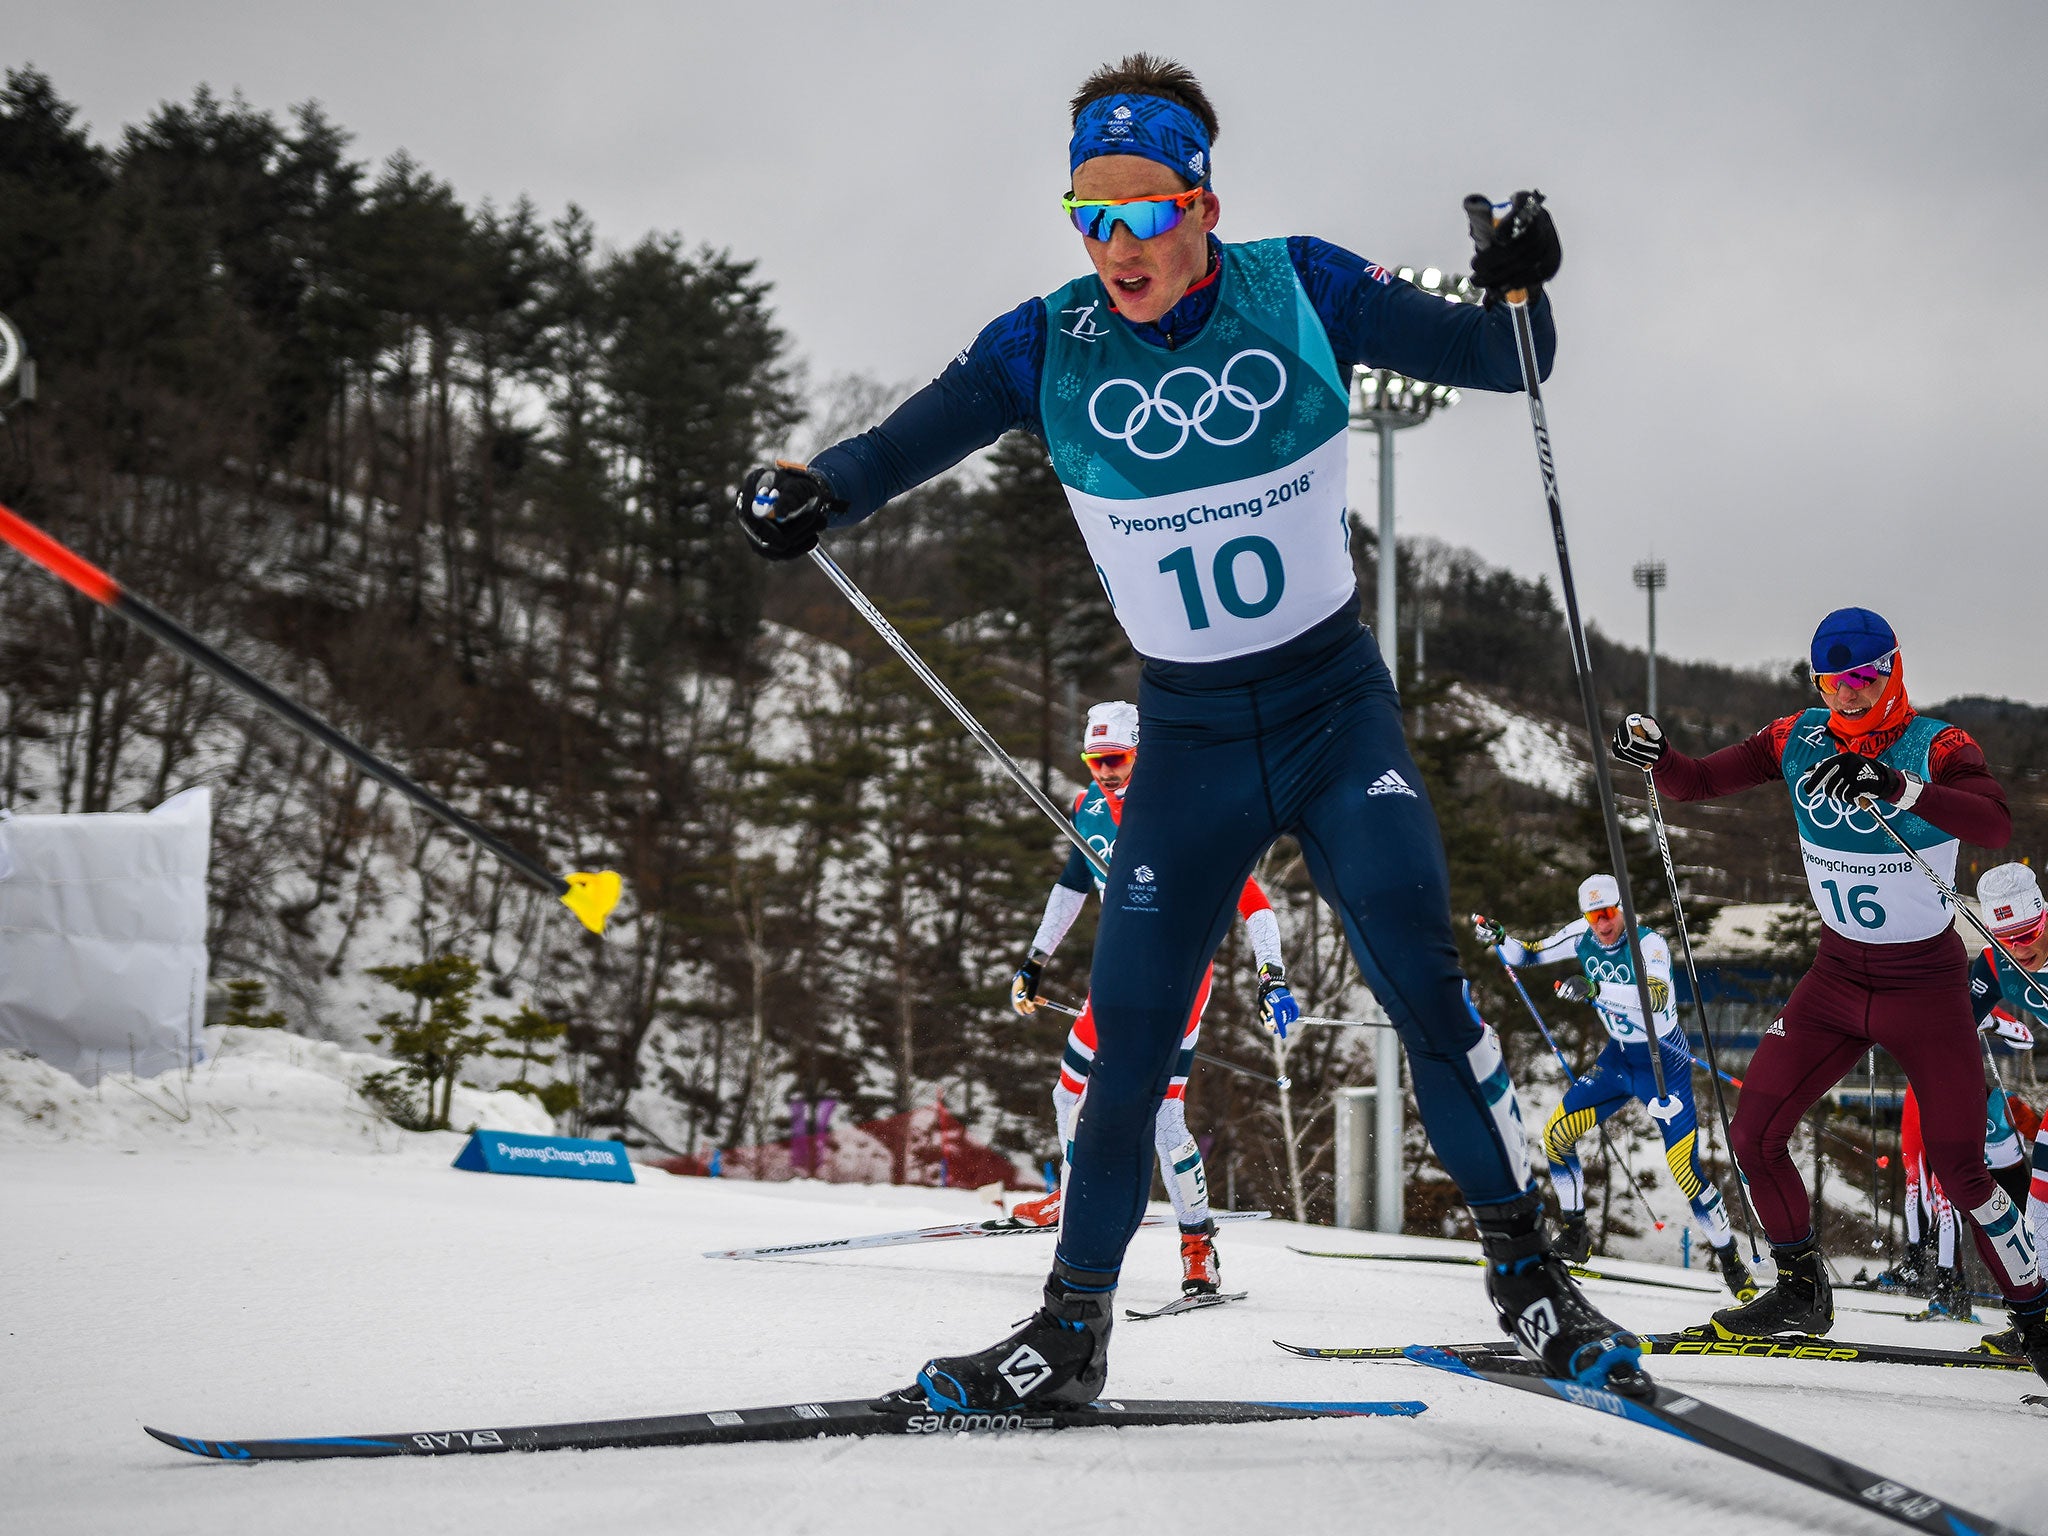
x=1112, y=725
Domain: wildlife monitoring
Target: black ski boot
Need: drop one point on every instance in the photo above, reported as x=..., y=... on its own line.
x=2030, y=1333
x=1912, y=1272
x=1803, y=1301
x=2005, y=1342
x=1540, y=1307
x=1060, y=1357
x=1950, y=1301
x=1735, y=1274
x=1574, y=1241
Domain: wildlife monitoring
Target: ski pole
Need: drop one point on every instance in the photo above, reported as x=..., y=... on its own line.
x=930, y=679
x=1310, y=1018
x=1699, y=1004
x=1948, y=892
x=1605, y=1145
x=1214, y=1061
x=1479, y=213
x=591, y=896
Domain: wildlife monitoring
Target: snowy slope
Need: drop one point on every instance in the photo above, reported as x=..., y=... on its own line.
x=306, y=1292
x=257, y=1090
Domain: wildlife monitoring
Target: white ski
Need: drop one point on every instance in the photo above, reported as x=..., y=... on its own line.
x=1187, y=1304
x=1007, y=1226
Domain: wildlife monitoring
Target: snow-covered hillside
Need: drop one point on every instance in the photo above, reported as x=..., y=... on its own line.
x=258, y=1090
x=310, y=1292
x=1530, y=750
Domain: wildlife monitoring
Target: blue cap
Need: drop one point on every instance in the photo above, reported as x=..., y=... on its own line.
x=1851, y=637
x=1150, y=126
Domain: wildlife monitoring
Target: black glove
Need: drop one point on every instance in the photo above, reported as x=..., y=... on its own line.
x=1640, y=740
x=1523, y=252
x=782, y=510
x=1487, y=931
x=1848, y=776
x=1578, y=989
x=1024, y=985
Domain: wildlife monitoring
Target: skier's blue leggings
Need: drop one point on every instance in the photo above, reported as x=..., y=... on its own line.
x=1303, y=739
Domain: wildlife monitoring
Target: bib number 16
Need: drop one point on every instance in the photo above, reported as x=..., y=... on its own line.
x=1862, y=905
x=1223, y=579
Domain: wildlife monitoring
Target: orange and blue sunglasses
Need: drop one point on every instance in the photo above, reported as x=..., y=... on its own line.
x=1856, y=677
x=1113, y=760
x=1144, y=217
x=1604, y=915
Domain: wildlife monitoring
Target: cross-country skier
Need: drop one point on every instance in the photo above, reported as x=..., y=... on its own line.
x=1936, y=1271
x=1891, y=971
x=1597, y=943
x=1194, y=397
x=1110, y=750
x=2008, y=999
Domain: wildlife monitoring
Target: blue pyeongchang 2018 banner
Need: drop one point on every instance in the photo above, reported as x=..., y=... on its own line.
x=554, y=1157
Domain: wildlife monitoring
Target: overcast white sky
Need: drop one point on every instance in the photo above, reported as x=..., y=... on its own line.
x=1799, y=359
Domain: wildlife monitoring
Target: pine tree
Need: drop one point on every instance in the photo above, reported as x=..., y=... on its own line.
x=435, y=1039
x=526, y=1036
x=245, y=1006
x=1026, y=569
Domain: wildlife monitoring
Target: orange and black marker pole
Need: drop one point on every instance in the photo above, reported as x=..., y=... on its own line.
x=591, y=896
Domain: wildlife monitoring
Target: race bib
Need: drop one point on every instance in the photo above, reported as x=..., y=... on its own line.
x=1228, y=570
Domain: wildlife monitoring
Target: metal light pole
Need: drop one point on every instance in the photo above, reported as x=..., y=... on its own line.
x=1649, y=575
x=16, y=366
x=1383, y=402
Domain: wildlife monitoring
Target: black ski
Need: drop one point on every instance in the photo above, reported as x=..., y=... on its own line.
x=1793, y=1347
x=1677, y=1413
x=1579, y=1272
x=790, y=1421
x=1181, y=1304
x=1472, y=1260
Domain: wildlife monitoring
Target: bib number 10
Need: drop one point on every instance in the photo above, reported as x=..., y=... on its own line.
x=1862, y=904
x=1223, y=579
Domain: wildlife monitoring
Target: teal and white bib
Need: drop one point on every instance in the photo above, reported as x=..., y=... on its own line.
x=2025, y=992
x=1865, y=888
x=1620, y=1005
x=1095, y=820
x=1209, y=482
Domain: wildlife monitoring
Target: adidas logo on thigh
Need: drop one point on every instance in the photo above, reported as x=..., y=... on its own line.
x=1391, y=783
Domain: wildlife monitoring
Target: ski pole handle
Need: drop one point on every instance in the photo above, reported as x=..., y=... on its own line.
x=1479, y=214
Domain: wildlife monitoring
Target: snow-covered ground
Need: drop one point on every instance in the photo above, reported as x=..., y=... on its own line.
x=300, y=1282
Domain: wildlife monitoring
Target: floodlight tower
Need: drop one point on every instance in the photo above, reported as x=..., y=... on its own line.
x=16, y=366
x=1383, y=402
x=1649, y=576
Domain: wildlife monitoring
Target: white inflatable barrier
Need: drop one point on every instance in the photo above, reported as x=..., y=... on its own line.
x=103, y=937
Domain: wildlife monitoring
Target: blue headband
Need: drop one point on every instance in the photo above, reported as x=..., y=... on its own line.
x=1150, y=126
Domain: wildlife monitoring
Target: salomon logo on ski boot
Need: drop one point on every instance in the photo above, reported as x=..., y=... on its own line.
x=1024, y=1371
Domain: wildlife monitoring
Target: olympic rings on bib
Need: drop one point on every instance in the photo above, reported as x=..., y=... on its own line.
x=1826, y=814
x=1189, y=419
